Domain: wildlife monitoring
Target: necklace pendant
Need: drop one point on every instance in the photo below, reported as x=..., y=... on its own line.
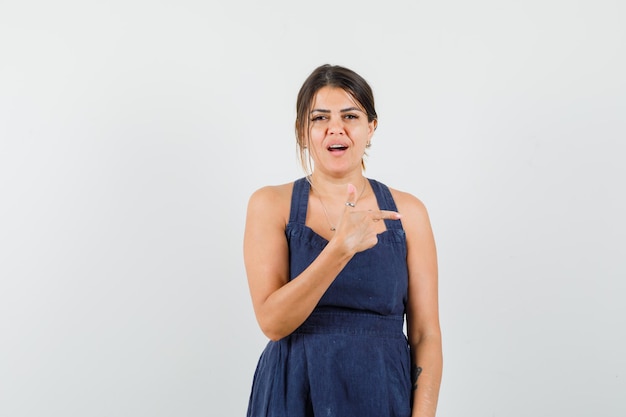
x=332, y=229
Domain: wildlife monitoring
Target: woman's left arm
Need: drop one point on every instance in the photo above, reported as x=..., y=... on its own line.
x=423, y=328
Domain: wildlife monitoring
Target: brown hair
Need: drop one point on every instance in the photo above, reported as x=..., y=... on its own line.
x=329, y=76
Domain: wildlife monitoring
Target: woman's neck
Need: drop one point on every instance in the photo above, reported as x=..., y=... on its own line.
x=337, y=187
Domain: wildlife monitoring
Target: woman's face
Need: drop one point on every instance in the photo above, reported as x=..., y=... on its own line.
x=339, y=132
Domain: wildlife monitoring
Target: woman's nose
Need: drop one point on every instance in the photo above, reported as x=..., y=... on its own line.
x=335, y=127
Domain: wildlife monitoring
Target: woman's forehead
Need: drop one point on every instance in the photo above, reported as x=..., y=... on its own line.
x=334, y=96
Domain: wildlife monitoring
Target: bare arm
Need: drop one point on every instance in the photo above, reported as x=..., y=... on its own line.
x=281, y=305
x=424, y=332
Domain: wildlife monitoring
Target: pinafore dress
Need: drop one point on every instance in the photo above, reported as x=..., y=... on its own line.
x=350, y=358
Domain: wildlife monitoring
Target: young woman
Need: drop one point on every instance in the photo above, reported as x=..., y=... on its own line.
x=335, y=263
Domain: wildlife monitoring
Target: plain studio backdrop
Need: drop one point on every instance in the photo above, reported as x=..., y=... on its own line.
x=132, y=134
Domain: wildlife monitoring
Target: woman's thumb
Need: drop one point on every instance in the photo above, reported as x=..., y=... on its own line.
x=351, y=199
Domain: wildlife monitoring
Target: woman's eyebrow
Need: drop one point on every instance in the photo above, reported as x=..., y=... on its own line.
x=351, y=109
x=340, y=111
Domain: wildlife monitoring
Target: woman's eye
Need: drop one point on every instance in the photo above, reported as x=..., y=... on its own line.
x=351, y=116
x=318, y=118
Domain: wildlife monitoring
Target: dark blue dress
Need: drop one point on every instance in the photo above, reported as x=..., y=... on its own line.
x=350, y=358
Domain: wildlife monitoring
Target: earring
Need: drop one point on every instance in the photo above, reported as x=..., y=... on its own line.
x=368, y=144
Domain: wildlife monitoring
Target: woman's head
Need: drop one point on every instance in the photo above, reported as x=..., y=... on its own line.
x=329, y=76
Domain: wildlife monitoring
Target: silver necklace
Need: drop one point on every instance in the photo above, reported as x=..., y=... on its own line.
x=317, y=194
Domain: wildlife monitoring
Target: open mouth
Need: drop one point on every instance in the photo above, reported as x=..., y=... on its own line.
x=337, y=147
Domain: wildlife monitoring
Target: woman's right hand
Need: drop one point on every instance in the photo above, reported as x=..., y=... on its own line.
x=358, y=229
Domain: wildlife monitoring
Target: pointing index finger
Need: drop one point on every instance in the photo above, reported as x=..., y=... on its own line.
x=389, y=215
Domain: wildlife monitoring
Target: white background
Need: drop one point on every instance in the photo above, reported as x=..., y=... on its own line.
x=133, y=132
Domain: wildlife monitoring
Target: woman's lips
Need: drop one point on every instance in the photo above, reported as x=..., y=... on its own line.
x=337, y=148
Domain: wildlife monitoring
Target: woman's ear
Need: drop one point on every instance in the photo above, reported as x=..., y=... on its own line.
x=372, y=127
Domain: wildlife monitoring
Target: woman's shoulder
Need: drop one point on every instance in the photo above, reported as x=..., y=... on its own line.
x=270, y=193
x=409, y=204
x=403, y=199
x=415, y=218
x=272, y=200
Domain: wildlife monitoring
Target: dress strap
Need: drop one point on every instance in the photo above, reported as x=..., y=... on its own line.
x=385, y=202
x=299, y=201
